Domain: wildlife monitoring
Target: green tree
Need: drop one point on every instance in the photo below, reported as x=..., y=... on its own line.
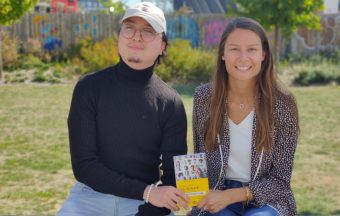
x=113, y=6
x=10, y=11
x=282, y=16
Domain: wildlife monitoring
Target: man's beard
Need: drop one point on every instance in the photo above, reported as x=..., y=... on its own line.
x=133, y=60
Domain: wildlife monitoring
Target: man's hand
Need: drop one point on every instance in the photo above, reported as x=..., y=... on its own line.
x=168, y=197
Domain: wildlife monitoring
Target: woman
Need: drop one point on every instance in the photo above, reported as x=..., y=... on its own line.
x=247, y=124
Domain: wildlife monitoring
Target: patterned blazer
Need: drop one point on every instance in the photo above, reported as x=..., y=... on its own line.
x=272, y=183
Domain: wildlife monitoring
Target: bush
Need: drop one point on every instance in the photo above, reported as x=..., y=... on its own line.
x=163, y=72
x=97, y=55
x=78, y=66
x=331, y=55
x=32, y=46
x=184, y=63
x=317, y=59
x=202, y=66
x=336, y=56
x=311, y=77
x=30, y=61
x=39, y=76
x=50, y=76
x=15, y=77
x=295, y=58
x=9, y=49
x=176, y=59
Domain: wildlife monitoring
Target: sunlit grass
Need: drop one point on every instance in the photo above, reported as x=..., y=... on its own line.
x=35, y=170
x=316, y=175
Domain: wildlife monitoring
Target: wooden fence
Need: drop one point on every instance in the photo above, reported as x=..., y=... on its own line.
x=59, y=31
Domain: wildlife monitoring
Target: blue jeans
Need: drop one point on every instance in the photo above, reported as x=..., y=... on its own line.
x=239, y=209
x=84, y=201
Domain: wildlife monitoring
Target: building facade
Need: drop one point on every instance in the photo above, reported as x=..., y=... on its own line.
x=64, y=6
x=90, y=5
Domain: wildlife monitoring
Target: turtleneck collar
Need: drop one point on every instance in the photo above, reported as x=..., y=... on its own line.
x=126, y=73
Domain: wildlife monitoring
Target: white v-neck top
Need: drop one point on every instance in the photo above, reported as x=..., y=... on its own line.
x=239, y=162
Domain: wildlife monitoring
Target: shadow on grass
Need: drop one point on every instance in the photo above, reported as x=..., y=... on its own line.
x=310, y=213
x=336, y=212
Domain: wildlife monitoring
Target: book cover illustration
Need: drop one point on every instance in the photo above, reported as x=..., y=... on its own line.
x=192, y=176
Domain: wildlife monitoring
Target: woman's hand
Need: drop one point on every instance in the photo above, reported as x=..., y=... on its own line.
x=168, y=197
x=214, y=201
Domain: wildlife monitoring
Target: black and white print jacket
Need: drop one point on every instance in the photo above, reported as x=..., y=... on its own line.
x=272, y=183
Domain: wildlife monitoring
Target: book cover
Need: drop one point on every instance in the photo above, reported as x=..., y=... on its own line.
x=192, y=176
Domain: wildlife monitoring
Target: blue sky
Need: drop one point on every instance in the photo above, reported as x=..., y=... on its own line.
x=130, y=2
x=167, y=7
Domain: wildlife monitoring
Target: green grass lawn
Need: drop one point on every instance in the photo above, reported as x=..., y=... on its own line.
x=35, y=171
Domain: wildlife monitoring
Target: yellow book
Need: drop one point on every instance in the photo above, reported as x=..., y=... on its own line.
x=192, y=176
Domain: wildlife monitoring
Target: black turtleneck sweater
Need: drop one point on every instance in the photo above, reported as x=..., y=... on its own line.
x=123, y=123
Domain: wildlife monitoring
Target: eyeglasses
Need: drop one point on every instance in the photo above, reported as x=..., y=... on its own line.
x=147, y=34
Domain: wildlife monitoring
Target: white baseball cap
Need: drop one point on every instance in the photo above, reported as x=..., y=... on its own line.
x=150, y=13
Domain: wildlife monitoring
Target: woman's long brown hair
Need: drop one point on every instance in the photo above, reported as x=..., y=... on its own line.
x=266, y=84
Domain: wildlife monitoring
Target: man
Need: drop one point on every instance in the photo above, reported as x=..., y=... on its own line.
x=124, y=122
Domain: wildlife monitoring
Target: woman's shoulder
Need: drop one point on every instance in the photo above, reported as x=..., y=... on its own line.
x=203, y=91
x=284, y=99
x=285, y=106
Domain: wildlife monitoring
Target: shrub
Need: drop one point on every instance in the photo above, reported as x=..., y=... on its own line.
x=163, y=72
x=184, y=63
x=78, y=66
x=32, y=46
x=336, y=56
x=58, y=70
x=330, y=55
x=98, y=55
x=337, y=79
x=15, y=77
x=9, y=49
x=317, y=59
x=51, y=76
x=310, y=77
x=30, y=61
x=295, y=58
x=39, y=76
x=177, y=55
x=202, y=66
